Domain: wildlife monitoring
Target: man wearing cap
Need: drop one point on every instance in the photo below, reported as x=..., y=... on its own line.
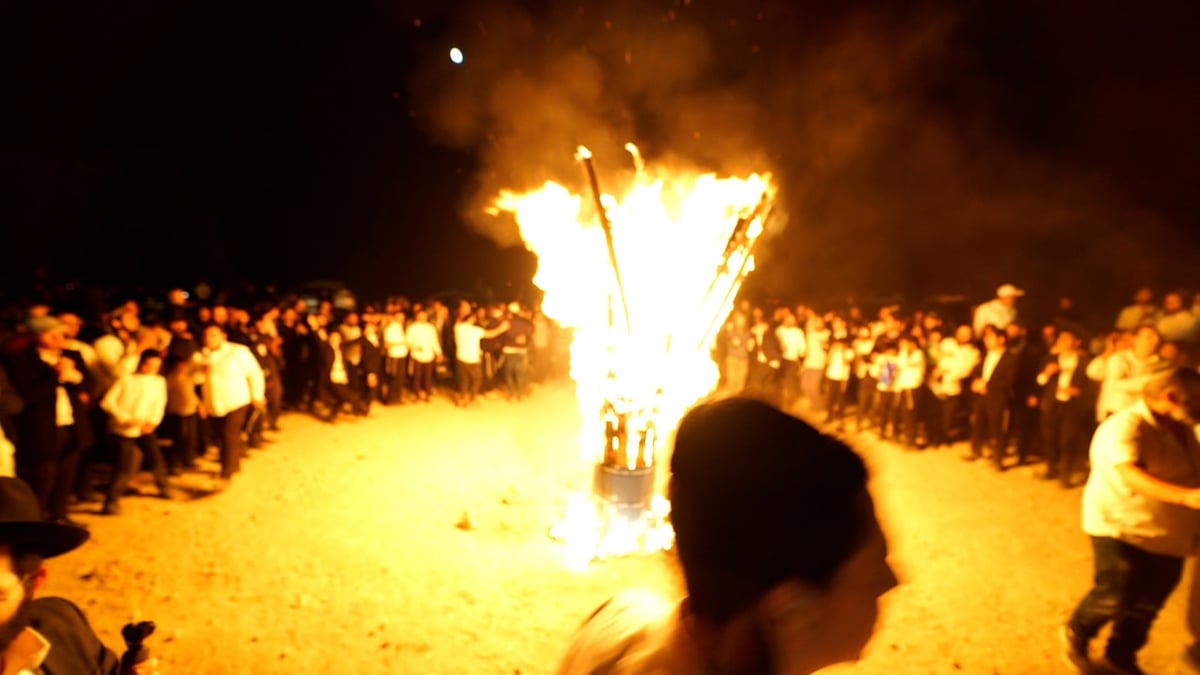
x=1000, y=311
x=53, y=429
x=43, y=635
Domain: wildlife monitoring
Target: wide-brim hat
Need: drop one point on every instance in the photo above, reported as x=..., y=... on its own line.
x=22, y=528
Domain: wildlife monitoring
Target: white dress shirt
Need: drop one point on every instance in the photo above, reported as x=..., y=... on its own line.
x=423, y=343
x=234, y=379
x=134, y=400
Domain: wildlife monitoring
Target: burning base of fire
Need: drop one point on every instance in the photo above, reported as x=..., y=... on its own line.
x=620, y=516
x=594, y=529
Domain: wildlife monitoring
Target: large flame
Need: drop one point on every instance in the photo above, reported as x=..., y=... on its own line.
x=669, y=234
x=683, y=243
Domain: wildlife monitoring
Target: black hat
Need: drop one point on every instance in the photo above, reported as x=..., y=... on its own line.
x=22, y=529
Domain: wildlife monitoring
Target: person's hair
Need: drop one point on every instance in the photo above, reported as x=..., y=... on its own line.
x=760, y=497
x=1184, y=380
x=147, y=355
x=214, y=324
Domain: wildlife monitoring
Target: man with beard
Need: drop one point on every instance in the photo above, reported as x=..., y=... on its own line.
x=43, y=635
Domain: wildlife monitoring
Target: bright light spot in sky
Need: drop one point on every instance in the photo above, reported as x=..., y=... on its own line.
x=456, y=55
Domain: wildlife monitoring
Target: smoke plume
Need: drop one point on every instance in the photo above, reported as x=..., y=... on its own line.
x=889, y=133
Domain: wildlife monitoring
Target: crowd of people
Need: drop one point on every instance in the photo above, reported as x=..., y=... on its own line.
x=1017, y=390
x=88, y=401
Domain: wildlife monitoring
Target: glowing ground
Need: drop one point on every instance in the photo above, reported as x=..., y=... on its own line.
x=416, y=542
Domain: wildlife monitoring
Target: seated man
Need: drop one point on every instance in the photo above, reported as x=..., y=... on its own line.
x=782, y=556
x=43, y=635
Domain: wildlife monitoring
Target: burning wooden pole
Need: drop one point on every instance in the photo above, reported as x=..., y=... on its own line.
x=585, y=157
x=741, y=273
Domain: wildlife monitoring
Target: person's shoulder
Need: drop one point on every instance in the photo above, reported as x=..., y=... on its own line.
x=51, y=613
x=615, y=637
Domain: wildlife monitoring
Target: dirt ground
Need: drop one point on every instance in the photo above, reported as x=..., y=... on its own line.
x=416, y=542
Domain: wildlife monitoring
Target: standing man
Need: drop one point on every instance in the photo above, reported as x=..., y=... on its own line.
x=233, y=382
x=135, y=405
x=1000, y=311
x=425, y=350
x=1139, y=508
x=53, y=429
x=992, y=384
x=516, y=353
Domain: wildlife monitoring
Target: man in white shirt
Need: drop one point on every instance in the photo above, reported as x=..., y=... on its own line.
x=959, y=359
x=1000, y=311
x=1139, y=508
x=467, y=337
x=233, y=382
x=425, y=349
x=793, y=347
x=1122, y=373
x=1179, y=323
x=395, y=362
x=135, y=405
x=1141, y=313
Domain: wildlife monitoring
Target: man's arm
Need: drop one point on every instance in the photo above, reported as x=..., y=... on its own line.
x=1143, y=483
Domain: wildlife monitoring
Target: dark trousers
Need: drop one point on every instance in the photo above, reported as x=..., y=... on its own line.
x=987, y=426
x=835, y=399
x=395, y=374
x=1061, y=427
x=470, y=377
x=1130, y=587
x=885, y=412
x=337, y=395
x=130, y=453
x=906, y=415
x=185, y=436
x=866, y=400
x=422, y=378
x=515, y=375
x=944, y=420
x=228, y=433
x=789, y=384
x=53, y=480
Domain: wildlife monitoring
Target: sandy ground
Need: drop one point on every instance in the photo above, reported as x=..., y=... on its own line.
x=343, y=549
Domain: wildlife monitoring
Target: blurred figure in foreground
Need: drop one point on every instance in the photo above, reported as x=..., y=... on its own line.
x=758, y=601
x=1139, y=508
x=43, y=635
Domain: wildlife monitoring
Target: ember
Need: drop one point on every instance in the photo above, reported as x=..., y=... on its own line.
x=645, y=282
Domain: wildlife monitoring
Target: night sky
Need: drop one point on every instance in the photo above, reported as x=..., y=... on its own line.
x=920, y=147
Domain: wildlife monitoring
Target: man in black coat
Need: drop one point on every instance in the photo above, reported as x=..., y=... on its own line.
x=54, y=428
x=992, y=384
x=43, y=635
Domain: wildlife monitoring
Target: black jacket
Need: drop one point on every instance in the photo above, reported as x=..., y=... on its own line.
x=37, y=383
x=74, y=647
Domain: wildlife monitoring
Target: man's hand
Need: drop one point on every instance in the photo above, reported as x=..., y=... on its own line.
x=148, y=429
x=372, y=380
x=261, y=404
x=1051, y=369
x=1032, y=402
x=979, y=387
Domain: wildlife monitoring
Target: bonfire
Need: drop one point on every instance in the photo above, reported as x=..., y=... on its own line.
x=644, y=282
